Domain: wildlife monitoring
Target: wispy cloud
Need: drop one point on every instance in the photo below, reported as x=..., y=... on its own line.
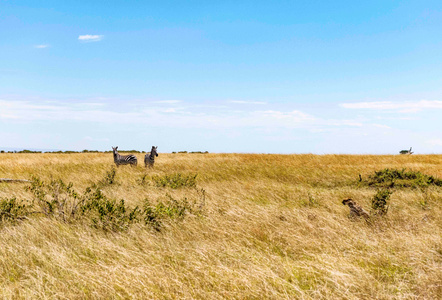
x=29, y=111
x=183, y=116
x=296, y=116
x=435, y=142
x=381, y=126
x=103, y=122
x=402, y=107
x=90, y=38
x=168, y=101
x=246, y=102
x=41, y=46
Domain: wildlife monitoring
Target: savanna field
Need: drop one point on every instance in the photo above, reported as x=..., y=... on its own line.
x=220, y=226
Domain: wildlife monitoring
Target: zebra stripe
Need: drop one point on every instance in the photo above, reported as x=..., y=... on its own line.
x=149, y=158
x=124, y=159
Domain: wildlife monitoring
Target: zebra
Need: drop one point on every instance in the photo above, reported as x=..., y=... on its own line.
x=124, y=159
x=149, y=158
x=406, y=151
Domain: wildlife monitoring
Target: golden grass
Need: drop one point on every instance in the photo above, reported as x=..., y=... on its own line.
x=273, y=227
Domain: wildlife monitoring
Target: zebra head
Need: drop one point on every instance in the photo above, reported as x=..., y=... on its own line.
x=114, y=150
x=153, y=151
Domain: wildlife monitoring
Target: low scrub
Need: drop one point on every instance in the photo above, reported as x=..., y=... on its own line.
x=109, y=178
x=170, y=208
x=380, y=202
x=55, y=199
x=175, y=181
x=58, y=200
x=402, y=178
x=12, y=210
x=107, y=214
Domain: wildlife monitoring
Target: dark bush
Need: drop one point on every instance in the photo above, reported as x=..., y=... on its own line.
x=379, y=203
x=402, y=178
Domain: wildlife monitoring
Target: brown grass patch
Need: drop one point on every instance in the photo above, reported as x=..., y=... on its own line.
x=273, y=227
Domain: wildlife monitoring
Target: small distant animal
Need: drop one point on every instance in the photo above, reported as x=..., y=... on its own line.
x=355, y=209
x=149, y=158
x=124, y=159
x=406, y=151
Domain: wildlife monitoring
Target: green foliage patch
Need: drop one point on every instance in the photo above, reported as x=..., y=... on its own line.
x=12, y=210
x=402, y=179
x=107, y=214
x=175, y=181
x=379, y=203
x=58, y=200
x=109, y=178
x=170, y=208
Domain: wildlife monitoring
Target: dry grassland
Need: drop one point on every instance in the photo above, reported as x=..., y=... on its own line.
x=270, y=227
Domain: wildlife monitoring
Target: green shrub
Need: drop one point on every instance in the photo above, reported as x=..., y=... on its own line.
x=175, y=181
x=109, y=177
x=170, y=208
x=402, y=178
x=11, y=210
x=60, y=201
x=379, y=203
x=107, y=214
x=55, y=199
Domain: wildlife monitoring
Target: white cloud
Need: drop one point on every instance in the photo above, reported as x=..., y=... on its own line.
x=41, y=46
x=168, y=101
x=343, y=123
x=95, y=124
x=381, y=126
x=29, y=111
x=246, y=102
x=435, y=142
x=90, y=38
x=89, y=138
x=401, y=107
x=295, y=116
x=183, y=116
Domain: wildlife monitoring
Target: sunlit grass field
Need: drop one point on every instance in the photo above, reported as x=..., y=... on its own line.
x=261, y=227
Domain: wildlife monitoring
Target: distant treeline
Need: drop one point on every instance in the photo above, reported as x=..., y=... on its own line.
x=68, y=151
x=205, y=152
x=93, y=151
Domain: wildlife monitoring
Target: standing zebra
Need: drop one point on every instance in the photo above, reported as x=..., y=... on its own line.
x=149, y=158
x=124, y=159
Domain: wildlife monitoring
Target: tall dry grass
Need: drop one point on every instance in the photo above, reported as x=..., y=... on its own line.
x=272, y=227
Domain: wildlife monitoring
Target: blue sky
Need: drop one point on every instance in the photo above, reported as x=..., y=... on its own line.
x=236, y=76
